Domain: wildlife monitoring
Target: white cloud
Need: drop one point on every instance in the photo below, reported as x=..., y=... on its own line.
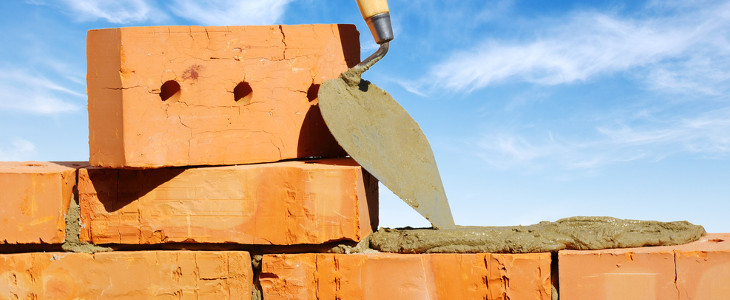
x=683, y=49
x=689, y=49
x=203, y=12
x=19, y=149
x=113, y=11
x=34, y=93
x=705, y=134
x=230, y=12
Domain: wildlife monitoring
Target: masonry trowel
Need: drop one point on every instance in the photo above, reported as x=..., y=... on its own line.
x=379, y=134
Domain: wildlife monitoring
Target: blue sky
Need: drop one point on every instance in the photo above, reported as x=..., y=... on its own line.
x=536, y=110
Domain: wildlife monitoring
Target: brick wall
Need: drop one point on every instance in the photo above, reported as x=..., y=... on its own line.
x=212, y=175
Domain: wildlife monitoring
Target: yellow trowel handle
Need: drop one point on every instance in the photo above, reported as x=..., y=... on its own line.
x=377, y=15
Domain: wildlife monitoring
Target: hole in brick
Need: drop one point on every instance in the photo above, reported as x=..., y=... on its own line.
x=170, y=90
x=717, y=240
x=242, y=91
x=312, y=92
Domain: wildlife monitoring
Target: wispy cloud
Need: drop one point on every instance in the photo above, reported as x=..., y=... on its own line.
x=675, y=50
x=665, y=48
x=230, y=12
x=19, y=149
x=705, y=134
x=33, y=93
x=113, y=11
x=203, y=12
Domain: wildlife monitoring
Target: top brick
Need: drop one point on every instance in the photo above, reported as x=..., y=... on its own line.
x=189, y=95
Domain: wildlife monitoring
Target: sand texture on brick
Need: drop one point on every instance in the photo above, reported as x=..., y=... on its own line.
x=398, y=276
x=126, y=275
x=698, y=270
x=34, y=199
x=189, y=95
x=283, y=203
x=569, y=233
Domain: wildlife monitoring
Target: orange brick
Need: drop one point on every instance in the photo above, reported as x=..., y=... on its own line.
x=127, y=275
x=293, y=202
x=406, y=276
x=698, y=270
x=34, y=199
x=232, y=94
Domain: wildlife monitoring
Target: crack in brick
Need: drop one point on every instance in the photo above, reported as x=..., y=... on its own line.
x=283, y=41
x=122, y=88
x=676, y=275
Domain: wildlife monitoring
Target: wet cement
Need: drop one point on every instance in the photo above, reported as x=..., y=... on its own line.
x=385, y=140
x=73, y=228
x=577, y=233
x=362, y=247
x=353, y=76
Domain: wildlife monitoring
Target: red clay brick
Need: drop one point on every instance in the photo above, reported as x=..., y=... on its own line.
x=127, y=275
x=34, y=199
x=131, y=70
x=698, y=270
x=283, y=203
x=406, y=276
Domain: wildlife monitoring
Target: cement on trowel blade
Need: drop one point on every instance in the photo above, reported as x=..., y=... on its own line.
x=579, y=233
x=383, y=138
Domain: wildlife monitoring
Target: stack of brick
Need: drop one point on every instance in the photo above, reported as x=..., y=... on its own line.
x=212, y=175
x=206, y=136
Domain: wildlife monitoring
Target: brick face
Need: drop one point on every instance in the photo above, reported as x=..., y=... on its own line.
x=406, y=276
x=232, y=94
x=698, y=270
x=34, y=199
x=282, y=203
x=127, y=275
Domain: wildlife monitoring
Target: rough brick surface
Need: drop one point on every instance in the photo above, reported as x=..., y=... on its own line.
x=698, y=270
x=207, y=118
x=127, y=275
x=406, y=276
x=293, y=202
x=34, y=197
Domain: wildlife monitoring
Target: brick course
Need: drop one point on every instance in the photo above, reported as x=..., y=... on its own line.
x=127, y=275
x=283, y=203
x=406, y=276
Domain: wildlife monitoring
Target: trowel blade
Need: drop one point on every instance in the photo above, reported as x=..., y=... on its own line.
x=385, y=140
